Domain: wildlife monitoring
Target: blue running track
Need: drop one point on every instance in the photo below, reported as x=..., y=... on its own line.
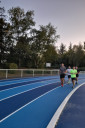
x=73, y=115
x=31, y=102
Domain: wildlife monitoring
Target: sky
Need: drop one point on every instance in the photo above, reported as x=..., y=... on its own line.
x=67, y=15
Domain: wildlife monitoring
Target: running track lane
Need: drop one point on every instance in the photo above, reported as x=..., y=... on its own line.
x=13, y=81
x=17, y=90
x=21, y=84
x=22, y=121
x=73, y=115
x=12, y=104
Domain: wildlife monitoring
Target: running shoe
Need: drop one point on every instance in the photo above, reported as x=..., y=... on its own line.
x=72, y=86
x=69, y=82
x=62, y=85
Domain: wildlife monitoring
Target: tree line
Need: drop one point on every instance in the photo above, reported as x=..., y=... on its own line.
x=24, y=46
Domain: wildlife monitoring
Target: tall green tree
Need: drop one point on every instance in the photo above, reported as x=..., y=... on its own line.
x=79, y=53
x=22, y=51
x=21, y=23
x=51, y=56
x=70, y=46
x=62, y=49
x=5, y=40
x=41, y=39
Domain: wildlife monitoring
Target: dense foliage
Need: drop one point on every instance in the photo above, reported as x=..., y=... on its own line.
x=23, y=45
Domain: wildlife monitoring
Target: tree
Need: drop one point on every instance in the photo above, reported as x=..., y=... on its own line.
x=62, y=49
x=41, y=40
x=4, y=37
x=22, y=52
x=51, y=56
x=61, y=52
x=21, y=24
x=79, y=53
x=70, y=46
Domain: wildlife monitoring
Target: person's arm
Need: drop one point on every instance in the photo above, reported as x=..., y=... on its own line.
x=65, y=70
x=59, y=71
x=78, y=71
x=75, y=72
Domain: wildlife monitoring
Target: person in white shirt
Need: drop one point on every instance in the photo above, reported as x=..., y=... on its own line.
x=69, y=75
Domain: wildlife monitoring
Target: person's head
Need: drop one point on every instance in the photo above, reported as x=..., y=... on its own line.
x=69, y=67
x=62, y=65
x=76, y=67
x=73, y=67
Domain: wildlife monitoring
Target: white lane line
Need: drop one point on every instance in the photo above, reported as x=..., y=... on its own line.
x=23, y=80
x=22, y=86
x=57, y=114
x=18, y=81
x=27, y=104
x=27, y=91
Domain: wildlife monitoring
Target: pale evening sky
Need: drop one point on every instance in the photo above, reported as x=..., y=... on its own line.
x=67, y=15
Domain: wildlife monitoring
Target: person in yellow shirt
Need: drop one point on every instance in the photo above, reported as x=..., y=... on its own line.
x=73, y=75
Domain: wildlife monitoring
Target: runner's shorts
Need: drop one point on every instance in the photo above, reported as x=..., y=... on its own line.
x=69, y=76
x=62, y=75
x=77, y=75
x=73, y=79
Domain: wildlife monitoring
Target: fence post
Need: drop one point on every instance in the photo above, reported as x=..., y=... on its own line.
x=21, y=73
x=42, y=72
x=6, y=73
x=33, y=73
x=58, y=72
x=51, y=72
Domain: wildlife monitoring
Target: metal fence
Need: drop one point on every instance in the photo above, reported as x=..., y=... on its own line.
x=17, y=73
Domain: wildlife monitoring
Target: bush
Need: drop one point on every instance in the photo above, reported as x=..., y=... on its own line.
x=13, y=66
